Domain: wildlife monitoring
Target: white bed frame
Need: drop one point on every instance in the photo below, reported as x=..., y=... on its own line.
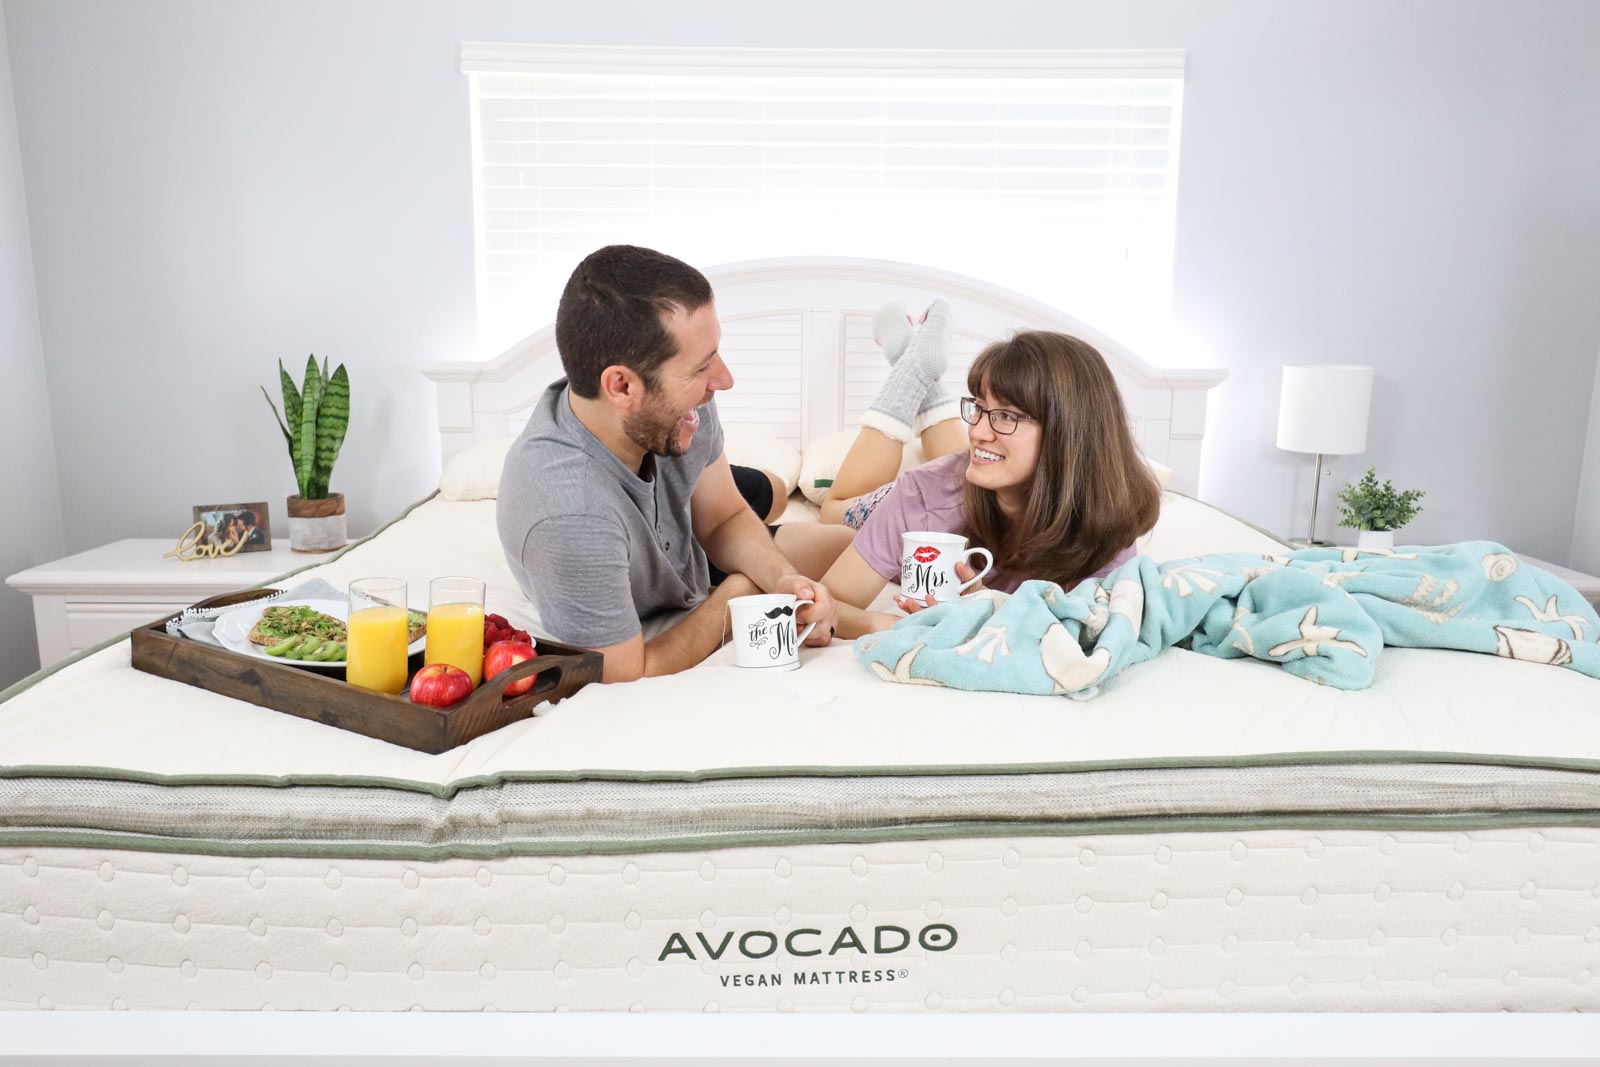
x=797, y=334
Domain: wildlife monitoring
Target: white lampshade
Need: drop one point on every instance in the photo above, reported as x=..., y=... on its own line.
x=1323, y=408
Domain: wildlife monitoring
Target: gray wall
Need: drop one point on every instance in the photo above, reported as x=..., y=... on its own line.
x=217, y=185
x=30, y=508
x=1586, y=525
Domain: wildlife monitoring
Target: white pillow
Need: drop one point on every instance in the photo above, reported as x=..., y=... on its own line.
x=752, y=448
x=474, y=472
x=822, y=457
x=1162, y=472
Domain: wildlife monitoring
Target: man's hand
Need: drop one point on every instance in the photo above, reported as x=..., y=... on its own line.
x=824, y=612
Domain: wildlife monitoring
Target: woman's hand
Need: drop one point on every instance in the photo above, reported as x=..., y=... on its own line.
x=963, y=572
x=878, y=621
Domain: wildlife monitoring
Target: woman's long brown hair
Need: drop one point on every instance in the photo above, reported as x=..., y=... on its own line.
x=1091, y=493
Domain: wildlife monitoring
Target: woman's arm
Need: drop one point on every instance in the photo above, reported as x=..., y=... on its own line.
x=854, y=585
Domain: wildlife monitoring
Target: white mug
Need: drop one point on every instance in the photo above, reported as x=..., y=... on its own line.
x=928, y=565
x=764, y=631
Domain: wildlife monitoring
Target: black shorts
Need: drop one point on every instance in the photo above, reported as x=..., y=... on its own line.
x=756, y=489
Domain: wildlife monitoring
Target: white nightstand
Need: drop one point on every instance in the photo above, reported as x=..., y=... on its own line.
x=81, y=600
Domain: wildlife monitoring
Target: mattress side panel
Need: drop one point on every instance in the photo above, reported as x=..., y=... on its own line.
x=1327, y=920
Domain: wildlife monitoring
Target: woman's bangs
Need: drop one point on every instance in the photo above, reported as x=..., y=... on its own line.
x=1013, y=375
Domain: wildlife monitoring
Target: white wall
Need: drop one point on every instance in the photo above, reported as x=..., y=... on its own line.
x=30, y=515
x=215, y=186
x=1586, y=524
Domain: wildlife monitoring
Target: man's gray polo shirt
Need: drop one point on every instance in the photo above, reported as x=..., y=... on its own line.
x=598, y=548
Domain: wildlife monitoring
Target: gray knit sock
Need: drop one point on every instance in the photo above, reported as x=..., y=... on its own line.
x=938, y=405
x=891, y=328
x=895, y=408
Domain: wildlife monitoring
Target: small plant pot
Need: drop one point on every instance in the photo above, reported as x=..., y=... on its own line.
x=1375, y=539
x=317, y=525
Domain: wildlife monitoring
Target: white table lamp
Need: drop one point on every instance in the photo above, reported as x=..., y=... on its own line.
x=1323, y=409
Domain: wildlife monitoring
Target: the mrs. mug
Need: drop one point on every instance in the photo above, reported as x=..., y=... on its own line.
x=765, y=631
x=928, y=565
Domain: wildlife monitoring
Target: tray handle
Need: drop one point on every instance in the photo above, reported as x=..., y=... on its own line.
x=552, y=687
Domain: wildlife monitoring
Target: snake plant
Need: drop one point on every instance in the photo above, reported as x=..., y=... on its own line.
x=318, y=414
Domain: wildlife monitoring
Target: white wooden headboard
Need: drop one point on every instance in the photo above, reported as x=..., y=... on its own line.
x=797, y=335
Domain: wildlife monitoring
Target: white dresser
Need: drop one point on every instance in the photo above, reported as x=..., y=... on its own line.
x=81, y=600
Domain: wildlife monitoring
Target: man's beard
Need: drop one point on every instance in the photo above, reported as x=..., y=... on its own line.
x=656, y=428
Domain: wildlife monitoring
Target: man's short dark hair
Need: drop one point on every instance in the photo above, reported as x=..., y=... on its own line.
x=611, y=313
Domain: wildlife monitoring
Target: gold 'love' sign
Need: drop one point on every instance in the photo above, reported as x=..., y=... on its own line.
x=192, y=546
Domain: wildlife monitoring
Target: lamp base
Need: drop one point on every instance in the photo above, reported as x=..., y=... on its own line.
x=1301, y=542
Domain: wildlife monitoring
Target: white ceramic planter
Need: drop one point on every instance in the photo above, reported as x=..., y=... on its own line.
x=317, y=525
x=1375, y=539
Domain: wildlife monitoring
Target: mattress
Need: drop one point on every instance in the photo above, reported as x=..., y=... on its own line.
x=1205, y=834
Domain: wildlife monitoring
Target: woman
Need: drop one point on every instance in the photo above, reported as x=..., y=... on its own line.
x=1051, y=483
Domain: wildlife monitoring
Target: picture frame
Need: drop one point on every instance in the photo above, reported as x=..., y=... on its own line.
x=222, y=523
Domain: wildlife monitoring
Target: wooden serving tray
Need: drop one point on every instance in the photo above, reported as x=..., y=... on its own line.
x=325, y=696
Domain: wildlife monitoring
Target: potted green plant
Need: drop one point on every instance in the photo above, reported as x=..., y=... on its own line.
x=318, y=412
x=1377, y=510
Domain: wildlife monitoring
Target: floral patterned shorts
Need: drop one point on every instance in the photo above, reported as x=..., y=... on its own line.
x=855, y=515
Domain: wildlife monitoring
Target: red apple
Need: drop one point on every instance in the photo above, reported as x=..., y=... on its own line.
x=503, y=655
x=439, y=685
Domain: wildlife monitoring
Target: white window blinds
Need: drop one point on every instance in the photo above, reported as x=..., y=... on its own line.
x=1051, y=173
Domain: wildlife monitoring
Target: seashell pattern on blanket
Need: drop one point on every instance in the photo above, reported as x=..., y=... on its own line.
x=1498, y=566
x=1531, y=646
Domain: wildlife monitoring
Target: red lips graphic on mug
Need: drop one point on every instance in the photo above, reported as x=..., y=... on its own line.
x=926, y=554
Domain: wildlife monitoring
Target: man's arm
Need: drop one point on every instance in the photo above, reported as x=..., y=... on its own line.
x=686, y=644
x=737, y=542
x=734, y=537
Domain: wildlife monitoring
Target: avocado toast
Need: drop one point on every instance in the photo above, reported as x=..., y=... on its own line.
x=311, y=629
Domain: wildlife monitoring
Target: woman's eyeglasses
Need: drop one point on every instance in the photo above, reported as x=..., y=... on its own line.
x=1001, y=421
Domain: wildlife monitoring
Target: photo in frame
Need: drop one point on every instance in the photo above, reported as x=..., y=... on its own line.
x=223, y=525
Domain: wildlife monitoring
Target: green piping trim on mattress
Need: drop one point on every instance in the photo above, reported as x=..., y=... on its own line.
x=917, y=832
x=447, y=790
x=40, y=675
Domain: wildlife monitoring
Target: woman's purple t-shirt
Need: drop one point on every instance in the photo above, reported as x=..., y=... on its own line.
x=930, y=498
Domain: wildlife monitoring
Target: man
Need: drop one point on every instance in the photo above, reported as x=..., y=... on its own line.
x=618, y=511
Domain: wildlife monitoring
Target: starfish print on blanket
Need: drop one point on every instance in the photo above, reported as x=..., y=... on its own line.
x=1313, y=638
x=1240, y=614
x=1186, y=579
x=1551, y=613
x=902, y=670
x=989, y=642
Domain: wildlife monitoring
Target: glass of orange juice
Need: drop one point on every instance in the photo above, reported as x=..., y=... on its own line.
x=455, y=625
x=375, y=656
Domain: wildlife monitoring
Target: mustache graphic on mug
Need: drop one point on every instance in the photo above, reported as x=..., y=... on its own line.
x=766, y=632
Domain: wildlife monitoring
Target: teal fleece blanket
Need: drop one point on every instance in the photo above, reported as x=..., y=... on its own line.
x=1323, y=614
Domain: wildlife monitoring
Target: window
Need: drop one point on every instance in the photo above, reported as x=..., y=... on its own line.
x=1052, y=173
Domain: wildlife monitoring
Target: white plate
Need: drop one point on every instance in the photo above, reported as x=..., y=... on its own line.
x=233, y=630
